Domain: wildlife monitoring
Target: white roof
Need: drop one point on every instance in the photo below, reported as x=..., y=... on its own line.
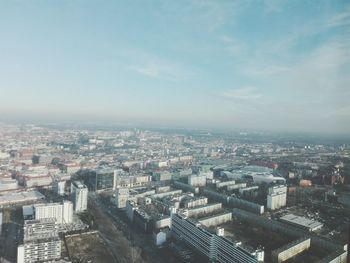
x=302, y=221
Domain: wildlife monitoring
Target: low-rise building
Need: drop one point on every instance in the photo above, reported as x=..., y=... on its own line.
x=291, y=250
x=301, y=222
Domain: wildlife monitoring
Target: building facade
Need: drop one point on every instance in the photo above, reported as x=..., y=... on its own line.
x=120, y=197
x=40, y=242
x=63, y=213
x=216, y=248
x=277, y=197
x=79, y=196
x=105, y=179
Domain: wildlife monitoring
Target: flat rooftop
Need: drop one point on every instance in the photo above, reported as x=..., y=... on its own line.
x=301, y=221
x=14, y=198
x=254, y=236
x=79, y=184
x=28, y=210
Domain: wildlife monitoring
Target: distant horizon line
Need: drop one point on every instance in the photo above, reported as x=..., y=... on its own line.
x=155, y=125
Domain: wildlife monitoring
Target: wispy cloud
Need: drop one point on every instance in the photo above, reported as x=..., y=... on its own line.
x=154, y=67
x=214, y=14
x=150, y=70
x=340, y=19
x=310, y=29
x=258, y=68
x=274, y=5
x=245, y=93
x=234, y=46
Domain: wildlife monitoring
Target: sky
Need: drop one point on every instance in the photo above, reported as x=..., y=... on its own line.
x=269, y=65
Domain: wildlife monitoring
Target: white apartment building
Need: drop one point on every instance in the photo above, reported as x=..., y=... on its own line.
x=63, y=213
x=79, y=196
x=197, y=180
x=277, y=197
x=41, y=241
x=215, y=247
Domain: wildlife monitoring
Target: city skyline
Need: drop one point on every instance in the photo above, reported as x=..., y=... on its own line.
x=270, y=65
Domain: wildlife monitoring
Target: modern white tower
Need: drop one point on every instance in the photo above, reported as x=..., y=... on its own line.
x=79, y=196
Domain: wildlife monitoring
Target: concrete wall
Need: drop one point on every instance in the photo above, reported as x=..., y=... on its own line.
x=195, y=202
x=291, y=250
x=186, y=187
x=203, y=210
x=336, y=257
x=246, y=205
x=161, y=223
x=276, y=200
x=216, y=196
x=223, y=184
x=197, y=180
x=234, y=202
x=161, y=195
x=214, y=247
x=162, y=189
x=236, y=186
x=216, y=219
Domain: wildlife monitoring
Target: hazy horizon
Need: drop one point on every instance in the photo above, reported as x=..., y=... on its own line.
x=257, y=65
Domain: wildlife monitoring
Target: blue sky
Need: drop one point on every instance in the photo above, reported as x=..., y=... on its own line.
x=273, y=65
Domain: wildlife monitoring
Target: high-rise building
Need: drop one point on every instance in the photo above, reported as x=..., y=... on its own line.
x=105, y=179
x=67, y=213
x=79, y=196
x=120, y=197
x=59, y=187
x=197, y=180
x=41, y=242
x=63, y=213
x=162, y=176
x=277, y=197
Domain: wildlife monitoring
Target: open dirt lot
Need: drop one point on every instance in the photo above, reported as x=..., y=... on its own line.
x=88, y=248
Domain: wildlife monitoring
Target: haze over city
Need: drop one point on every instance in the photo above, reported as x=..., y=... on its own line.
x=177, y=131
x=270, y=65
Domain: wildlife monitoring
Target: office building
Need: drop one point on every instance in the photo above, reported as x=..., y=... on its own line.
x=79, y=196
x=105, y=179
